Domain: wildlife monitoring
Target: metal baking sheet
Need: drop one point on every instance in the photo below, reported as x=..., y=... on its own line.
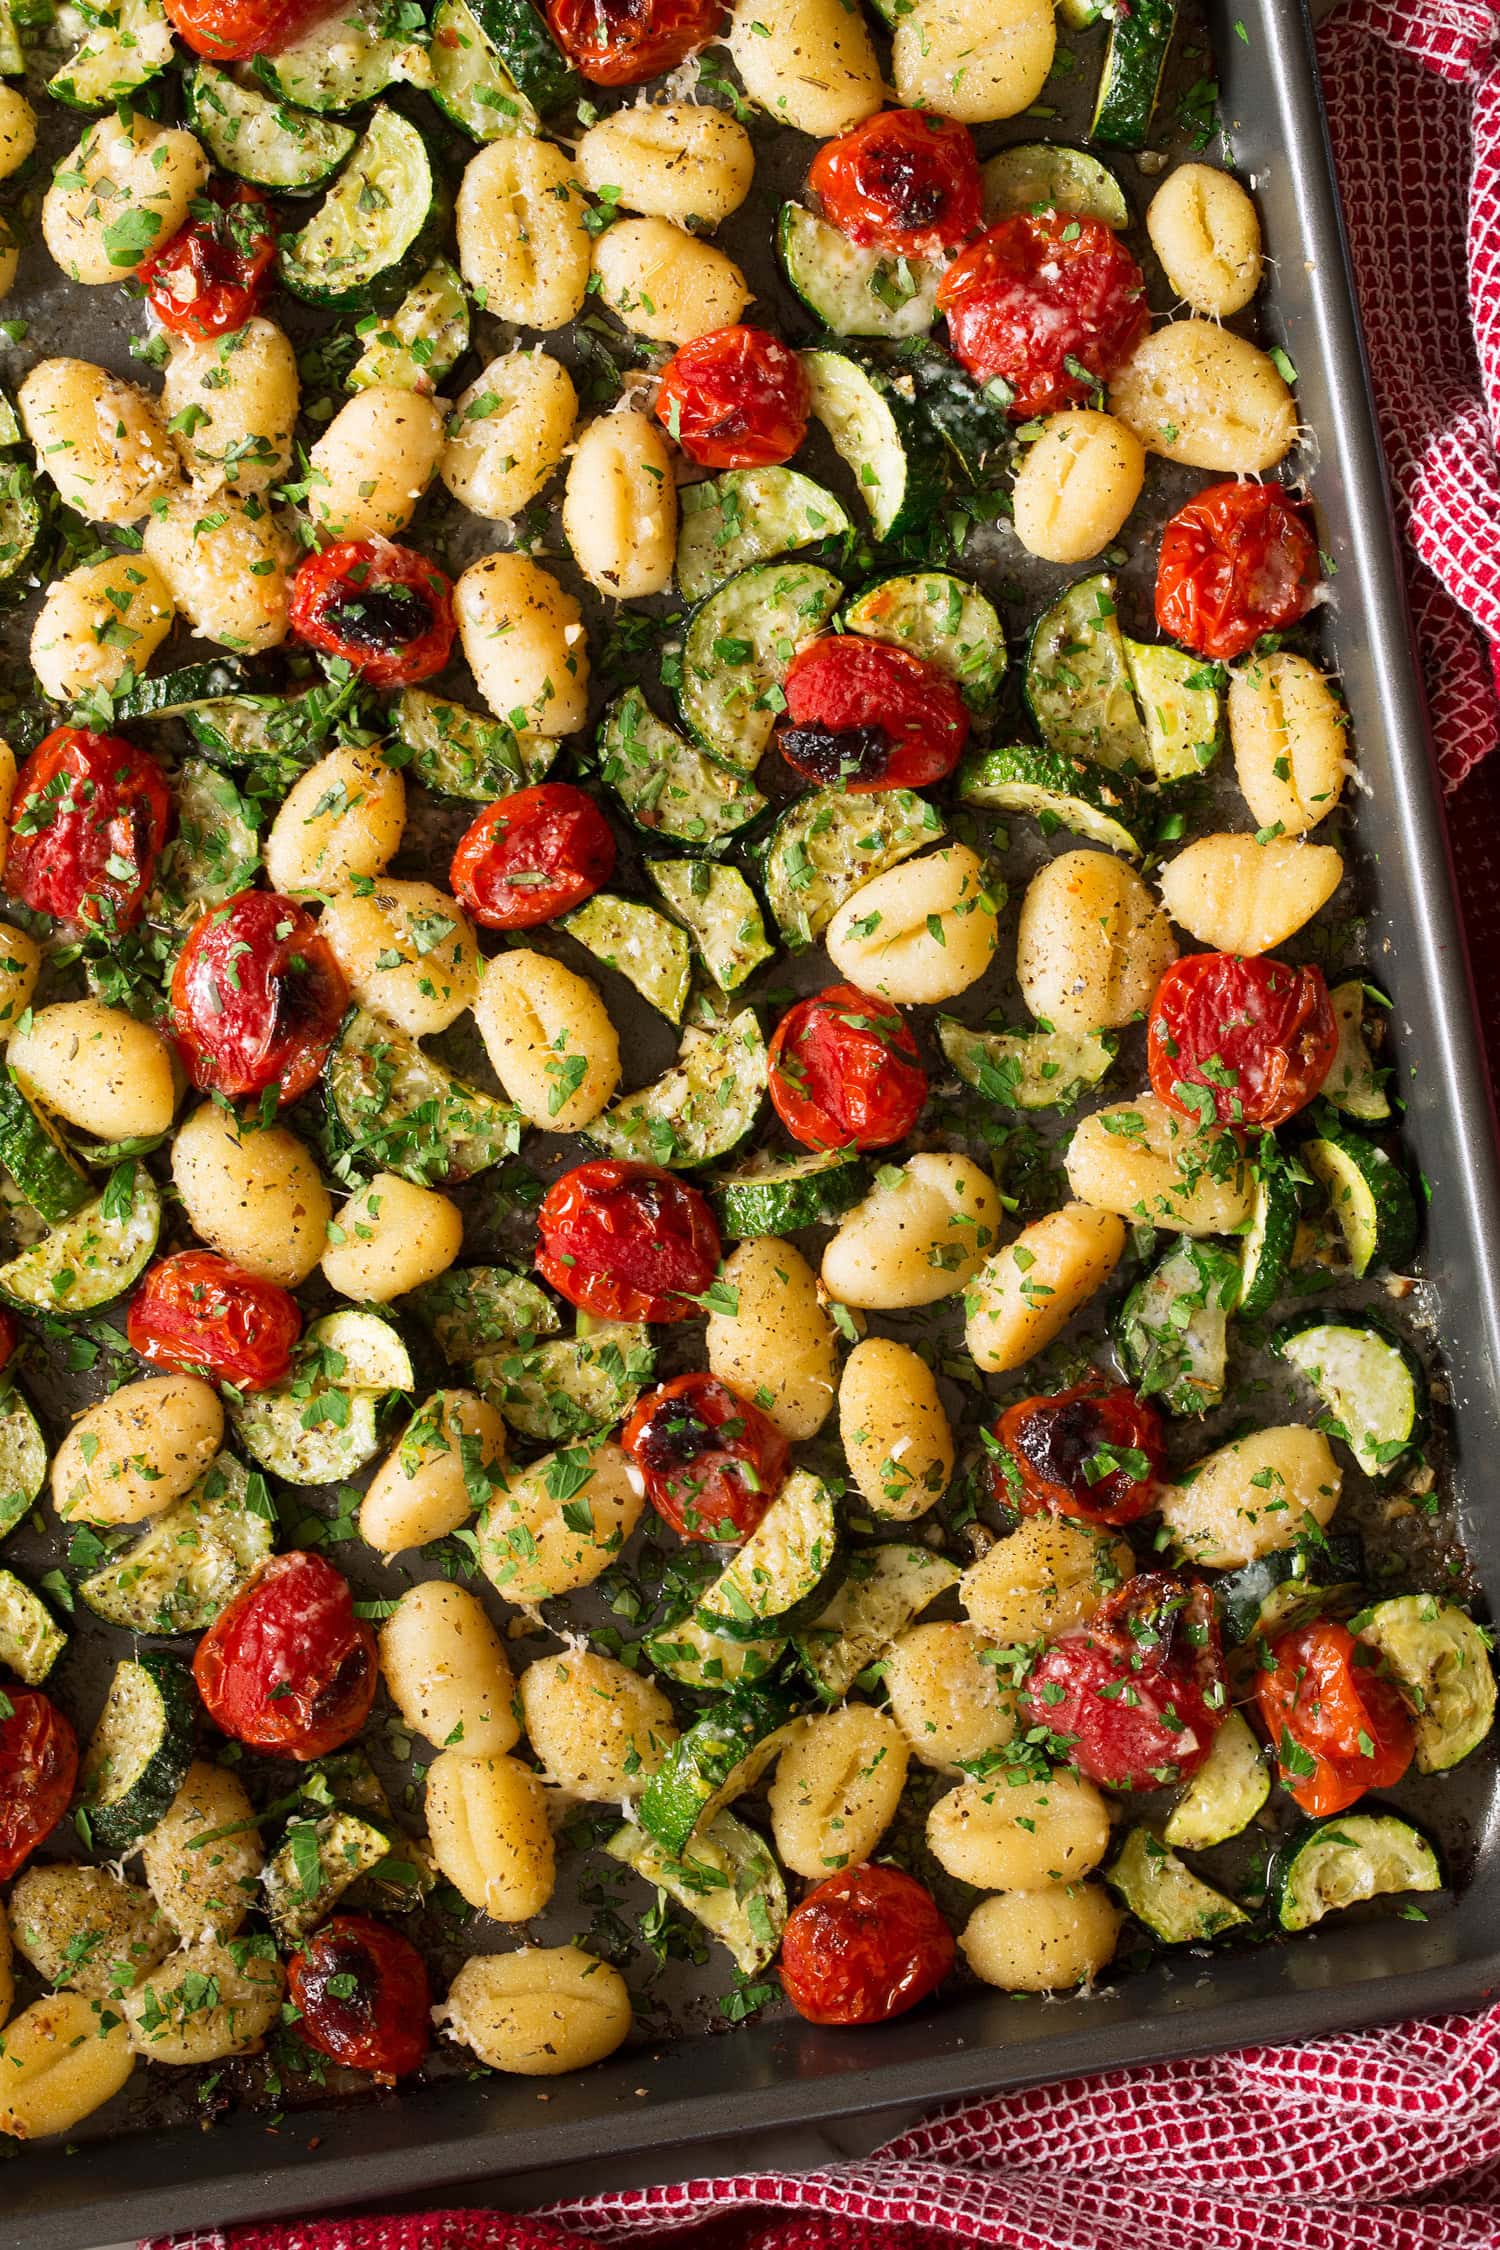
x=147, y=2164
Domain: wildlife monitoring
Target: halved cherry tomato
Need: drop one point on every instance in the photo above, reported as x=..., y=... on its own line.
x=905, y=181
x=197, y=1313
x=1338, y=1726
x=10, y=1337
x=256, y=997
x=88, y=821
x=712, y=1462
x=1236, y=561
x=865, y=716
x=845, y=1071
x=864, y=1946
x=1240, y=1042
x=1093, y=1451
x=622, y=42
x=287, y=1667
x=627, y=1242
x=1137, y=1694
x=363, y=1995
x=233, y=30
x=211, y=276
x=736, y=398
x=1047, y=303
x=385, y=609
x=38, y=1767
x=532, y=856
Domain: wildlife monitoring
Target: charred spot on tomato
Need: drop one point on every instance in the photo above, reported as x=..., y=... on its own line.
x=913, y=195
x=623, y=42
x=382, y=608
x=362, y=1994
x=826, y=755
x=380, y=617
x=673, y=1436
x=737, y=398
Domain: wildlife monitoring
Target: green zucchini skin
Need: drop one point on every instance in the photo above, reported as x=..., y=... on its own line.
x=714, y=1756
x=1441, y=1660
x=1369, y=1194
x=1164, y=1894
x=140, y=1750
x=1349, y=1857
x=1131, y=79
x=787, y=1570
x=1284, y=1588
x=540, y=69
x=780, y=1195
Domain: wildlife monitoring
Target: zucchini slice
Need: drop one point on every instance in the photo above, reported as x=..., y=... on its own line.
x=1373, y=1385
x=779, y=1194
x=414, y=347
x=1181, y=701
x=370, y=235
x=399, y=1110
x=736, y=651
x=459, y=753
x=1441, y=1662
x=190, y=1560
x=569, y=1387
x=518, y=33
x=34, y=1153
x=344, y=59
x=1173, y=1327
x=722, y=915
x=749, y=516
x=470, y=83
x=284, y=732
x=31, y=1640
x=1028, y=1069
x=694, y=1657
x=23, y=1458
x=1285, y=1588
x=942, y=618
x=216, y=851
x=361, y=1350
x=668, y=786
x=1164, y=1894
x=1139, y=36
x=884, y=1589
x=175, y=695
x=1077, y=681
x=1352, y=1856
x=1354, y=1085
x=21, y=520
x=786, y=1570
x=128, y=43
x=474, y=1309
x=703, y=1107
x=1270, y=1239
x=654, y=954
x=319, y=1425
x=261, y=140
x=878, y=431
x=317, y=1861
x=853, y=292
x=1054, y=788
x=1046, y=176
x=12, y=53
x=728, y=1881
x=718, y=1758
x=140, y=1750
x=975, y=433
x=1368, y=1193
x=826, y=845
x=93, y=1257
x=1225, y=1794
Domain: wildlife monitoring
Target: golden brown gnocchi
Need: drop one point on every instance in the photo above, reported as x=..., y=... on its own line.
x=666, y=284
x=921, y=932
x=529, y=1549
x=102, y=441
x=1144, y=1162
x=778, y=1347
x=1046, y=1575
x=1042, y=1941
x=508, y=432
x=947, y=1695
x=256, y=1196
x=600, y=1730
x=1287, y=730
x=525, y=643
x=549, y=1039
x=1249, y=894
x=1197, y=393
x=836, y=1788
x=689, y=163
x=522, y=244
x=1252, y=1496
x=619, y=508
x=1026, y=1294
x=537, y=2012
x=407, y=950
x=895, y=1433
x=1075, y=485
x=487, y=1818
x=446, y=1670
x=1206, y=232
x=921, y=1234
x=1092, y=943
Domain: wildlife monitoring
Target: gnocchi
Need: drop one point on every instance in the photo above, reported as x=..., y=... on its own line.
x=599, y=1729
x=339, y=821
x=946, y=1695
x=524, y=640
x=1075, y=485
x=1205, y=230
x=508, y=432
x=255, y=1197
x=1291, y=753
x=438, y=1473
x=1028, y=1292
x=530, y=1550
x=86, y=1928
x=836, y=1788
x=1249, y=894
x=895, y=1433
x=808, y=63
x=487, y=1818
x=205, y=1889
x=921, y=932
x=619, y=509
x=446, y=1670
x=1252, y=1496
x=137, y=1451
x=665, y=284
x=231, y=403
x=17, y=132
x=102, y=441
x=549, y=1039
x=124, y=191
x=389, y=1238
x=1142, y=1161
x=1197, y=393
x=1046, y=1575
x=97, y=623
x=227, y=564
x=1092, y=944
x=921, y=1234
x=778, y=1346
x=522, y=243
x=975, y=64
x=206, y=2003
x=102, y=1070
x=408, y=951
x=1042, y=1941
x=374, y=461
x=688, y=163
x=538, y=2012
x=60, y=2059
x=1015, y=1834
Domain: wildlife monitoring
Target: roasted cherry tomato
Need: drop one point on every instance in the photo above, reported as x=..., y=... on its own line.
x=1093, y=1451
x=232, y=30
x=210, y=278
x=1044, y=302
x=736, y=398
x=861, y=715
x=385, y=609
x=10, y=1337
x=622, y=42
x=845, y=1071
x=363, y=1995
x=256, y=997
x=1237, y=561
x=198, y=1314
x=38, y=1767
x=87, y=824
x=864, y=1946
x=1137, y=1694
x=287, y=1667
x=1337, y=1725
x=712, y=1462
x=906, y=181
x=532, y=856
x=1240, y=1042
x=626, y=1242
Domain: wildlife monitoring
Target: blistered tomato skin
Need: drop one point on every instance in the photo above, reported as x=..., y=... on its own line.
x=626, y=1242
x=1337, y=1725
x=1135, y=1696
x=1035, y=292
x=905, y=181
x=1240, y=1042
x=257, y=997
x=845, y=1071
x=199, y=1314
x=736, y=398
x=623, y=42
x=711, y=1462
x=232, y=30
x=10, y=1337
x=532, y=856
x=384, y=609
x=213, y=274
x=864, y=716
x=863, y=1947
x=38, y=1767
x=1236, y=561
x=287, y=1667
x=1092, y=1451
x=88, y=821
x=363, y=1996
